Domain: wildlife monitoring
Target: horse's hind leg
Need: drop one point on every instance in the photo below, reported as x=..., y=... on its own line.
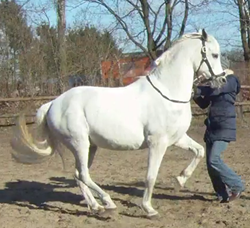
x=80, y=147
x=87, y=194
x=189, y=144
x=92, y=152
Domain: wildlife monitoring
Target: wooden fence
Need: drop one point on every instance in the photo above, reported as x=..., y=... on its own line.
x=11, y=107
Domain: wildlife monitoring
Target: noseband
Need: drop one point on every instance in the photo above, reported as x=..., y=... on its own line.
x=203, y=60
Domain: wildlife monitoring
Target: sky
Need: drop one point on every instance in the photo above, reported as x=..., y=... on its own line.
x=219, y=21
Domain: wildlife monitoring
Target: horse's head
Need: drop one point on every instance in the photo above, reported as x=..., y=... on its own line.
x=208, y=61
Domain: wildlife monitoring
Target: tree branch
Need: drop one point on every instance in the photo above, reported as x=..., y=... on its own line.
x=184, y=21
x=121, y=22
x=163, y=25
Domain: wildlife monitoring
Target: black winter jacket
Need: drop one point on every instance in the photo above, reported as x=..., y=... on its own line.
x=221, y=120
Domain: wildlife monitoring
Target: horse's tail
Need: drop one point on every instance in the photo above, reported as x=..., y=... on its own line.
x=29, y=148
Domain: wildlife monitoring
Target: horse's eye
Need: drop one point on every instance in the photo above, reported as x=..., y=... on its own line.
x=215, y=56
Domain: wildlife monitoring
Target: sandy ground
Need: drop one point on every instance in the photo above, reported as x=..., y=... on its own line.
x=44, y=195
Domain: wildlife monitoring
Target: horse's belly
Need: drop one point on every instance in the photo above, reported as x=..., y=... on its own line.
x=119, y=141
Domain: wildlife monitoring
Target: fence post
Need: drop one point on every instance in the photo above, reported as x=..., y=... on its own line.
x=239, y=108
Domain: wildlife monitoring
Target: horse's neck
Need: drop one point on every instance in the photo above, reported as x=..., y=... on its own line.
x=177, y=78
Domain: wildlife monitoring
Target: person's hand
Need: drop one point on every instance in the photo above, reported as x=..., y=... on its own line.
x=228, y=72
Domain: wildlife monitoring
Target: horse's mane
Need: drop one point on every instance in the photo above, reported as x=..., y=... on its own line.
x=165, y=55
x=187, y=36
x=194, y=35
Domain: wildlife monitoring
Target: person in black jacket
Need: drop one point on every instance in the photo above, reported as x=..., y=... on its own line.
x=220, y=130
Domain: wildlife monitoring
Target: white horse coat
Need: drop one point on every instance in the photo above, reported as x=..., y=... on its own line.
x=137, y=116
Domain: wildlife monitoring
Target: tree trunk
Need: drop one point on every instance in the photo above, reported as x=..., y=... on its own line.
x=243, y=30
x=61, y=45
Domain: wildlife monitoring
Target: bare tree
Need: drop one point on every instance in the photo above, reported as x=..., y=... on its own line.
x=148, y=24
x=238, y=12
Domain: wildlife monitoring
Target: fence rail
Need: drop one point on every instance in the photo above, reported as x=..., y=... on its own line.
x=13, y=107
x=16, y=99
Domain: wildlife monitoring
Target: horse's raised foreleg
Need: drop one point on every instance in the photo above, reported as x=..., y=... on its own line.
x=189, y=144
x=157, y=149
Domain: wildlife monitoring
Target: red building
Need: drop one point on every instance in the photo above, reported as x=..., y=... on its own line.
x=125, y=69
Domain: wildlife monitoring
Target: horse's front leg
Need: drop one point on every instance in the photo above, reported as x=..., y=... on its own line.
x=189, y=144
x=157, y=148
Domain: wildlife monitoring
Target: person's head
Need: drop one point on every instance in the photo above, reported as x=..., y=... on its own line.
x=225, y=62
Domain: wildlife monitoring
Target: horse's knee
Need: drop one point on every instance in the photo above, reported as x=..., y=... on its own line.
x=198, y=151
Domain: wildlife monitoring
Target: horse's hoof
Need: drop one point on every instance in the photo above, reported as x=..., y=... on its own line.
x=109, y=213
x=178, y=183
x=98, y=210
x=110, y=208
x=153, y=215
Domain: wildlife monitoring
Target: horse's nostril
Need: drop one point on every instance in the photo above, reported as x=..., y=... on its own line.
x=222, y=80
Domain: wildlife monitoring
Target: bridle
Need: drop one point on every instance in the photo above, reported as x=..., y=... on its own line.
x=203, y=60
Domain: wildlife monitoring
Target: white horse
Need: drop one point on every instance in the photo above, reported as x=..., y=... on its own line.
x=153, y=112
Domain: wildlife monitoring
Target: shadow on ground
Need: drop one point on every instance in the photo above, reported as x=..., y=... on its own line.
x=38, y=195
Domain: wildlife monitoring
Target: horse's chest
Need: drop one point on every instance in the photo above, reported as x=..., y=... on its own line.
x=174, y=123
x=181, y=118
x=176, y=118
x=179, y=124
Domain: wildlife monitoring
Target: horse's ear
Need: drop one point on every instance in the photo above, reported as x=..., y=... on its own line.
x=158, y=61
x=204, y=35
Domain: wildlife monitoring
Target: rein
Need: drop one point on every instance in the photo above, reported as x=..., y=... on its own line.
x=172, y=100
x=203, y=60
